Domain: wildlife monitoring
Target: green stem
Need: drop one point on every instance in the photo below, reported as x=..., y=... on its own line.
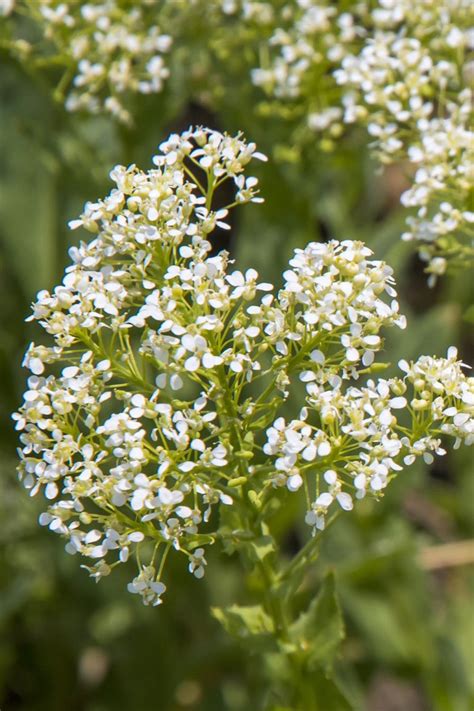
x=296, y=689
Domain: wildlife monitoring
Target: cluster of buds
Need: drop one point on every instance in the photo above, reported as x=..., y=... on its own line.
x=149, y=409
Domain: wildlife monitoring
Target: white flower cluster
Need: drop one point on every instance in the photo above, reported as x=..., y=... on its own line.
x=148, y=409
x=401, y=69
x=110, y=48
x=442, y=185
x=395, y=60
x=143, y=312
x=347, y=443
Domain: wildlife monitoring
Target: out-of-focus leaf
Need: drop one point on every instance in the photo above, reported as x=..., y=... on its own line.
x=245, y=621
x=329, y=694
x=28, y=226
x=261, y=547
x=318, y=631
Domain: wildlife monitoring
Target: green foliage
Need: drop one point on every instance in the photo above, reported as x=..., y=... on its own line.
x=246, y=622
x=319, y=630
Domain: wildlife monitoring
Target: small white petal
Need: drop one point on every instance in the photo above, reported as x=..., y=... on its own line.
x=309, y=453
x=330, y=477
x=160, y=380
x=324, y=500
x=345, y=501
x=385, y=417
x=294, y=482
x=397, y=403
x=192, y=364
x=403, y=365
x=317, y=356
x=176, y=382
x=51, y=491
x=352, y=355
x=324, y=449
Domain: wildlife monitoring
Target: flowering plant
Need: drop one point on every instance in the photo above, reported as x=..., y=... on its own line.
x=399, y=69
x=182, y=401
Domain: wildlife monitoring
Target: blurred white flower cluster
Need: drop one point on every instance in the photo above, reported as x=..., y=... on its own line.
x=167, y=368
x=402, y=69
x=110, y=49
x=6, y=7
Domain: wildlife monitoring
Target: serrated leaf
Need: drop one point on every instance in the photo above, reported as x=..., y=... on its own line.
x=319, y=631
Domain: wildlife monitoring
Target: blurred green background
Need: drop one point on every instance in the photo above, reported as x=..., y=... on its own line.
x=67, y=644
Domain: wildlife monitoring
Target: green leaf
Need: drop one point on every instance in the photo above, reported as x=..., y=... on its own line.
x=200, y=539
x=244, y=622
x=261, y=548
x=319, y=631
x=312, y=691
x=329, y=696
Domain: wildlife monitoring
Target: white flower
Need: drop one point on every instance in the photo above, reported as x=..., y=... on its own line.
x=146, y=585
x=197, y=563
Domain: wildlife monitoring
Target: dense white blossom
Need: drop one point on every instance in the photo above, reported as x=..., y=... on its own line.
x=359, y=435
x=167, y=366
